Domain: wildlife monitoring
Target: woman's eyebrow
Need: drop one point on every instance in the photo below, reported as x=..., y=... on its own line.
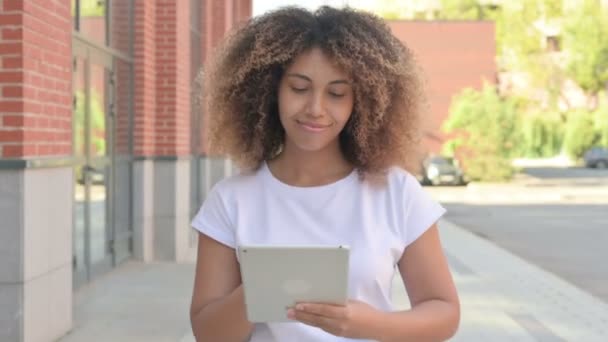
x=306, y=78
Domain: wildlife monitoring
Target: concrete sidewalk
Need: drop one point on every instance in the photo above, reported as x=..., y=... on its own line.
x=136, y=302
x=503, y=298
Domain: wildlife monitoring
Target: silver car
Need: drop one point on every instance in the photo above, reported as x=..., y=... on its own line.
x=439, y=170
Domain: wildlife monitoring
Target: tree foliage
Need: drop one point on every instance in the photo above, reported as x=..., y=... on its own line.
x=585, y=40
x=485, y=125
x=542, y=134
x=524, y=30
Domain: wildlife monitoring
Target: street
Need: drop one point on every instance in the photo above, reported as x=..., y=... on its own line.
x=554, y=218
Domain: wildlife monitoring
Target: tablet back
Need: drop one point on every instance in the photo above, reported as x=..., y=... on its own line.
x=276, y=277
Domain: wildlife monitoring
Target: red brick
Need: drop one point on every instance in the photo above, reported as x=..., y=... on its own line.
x=11, y=77
x=42, y=122
x=11, y=151
x=12, y=5
x=12, y=91
x=65, y=136
x=11, y=107
x=37, y=135
x=32, y=107
x=12, y=62
x=11, y=136
x=12, y=34
x=12, y=19
x=11, y=49
x=62, y=149
x=32, y=52
x=45, y=149
x=13, y=120
x=35, y=80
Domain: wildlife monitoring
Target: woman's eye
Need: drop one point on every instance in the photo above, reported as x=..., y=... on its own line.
x=298, y=90
x=336, y=95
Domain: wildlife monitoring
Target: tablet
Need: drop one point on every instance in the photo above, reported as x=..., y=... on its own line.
x=276, y=277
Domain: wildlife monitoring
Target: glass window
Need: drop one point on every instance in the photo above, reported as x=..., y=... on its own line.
x=92, y=20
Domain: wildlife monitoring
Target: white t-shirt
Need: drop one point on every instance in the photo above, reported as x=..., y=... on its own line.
x=377, y=222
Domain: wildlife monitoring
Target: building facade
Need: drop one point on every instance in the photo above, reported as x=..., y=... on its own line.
x=101, y=154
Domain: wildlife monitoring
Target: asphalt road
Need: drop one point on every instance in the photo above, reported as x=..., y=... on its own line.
x=568, y=237
x=572, y=175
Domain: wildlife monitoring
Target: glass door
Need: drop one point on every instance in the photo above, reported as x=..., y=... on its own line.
x=93, y=149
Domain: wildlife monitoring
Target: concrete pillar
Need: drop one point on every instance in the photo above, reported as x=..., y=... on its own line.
x=36, y=183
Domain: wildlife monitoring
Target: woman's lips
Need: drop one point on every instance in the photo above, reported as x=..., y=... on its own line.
x=312, y=127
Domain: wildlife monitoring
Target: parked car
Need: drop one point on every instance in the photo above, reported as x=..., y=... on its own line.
x=96, y=176
x=596, y=157
x=439, y=170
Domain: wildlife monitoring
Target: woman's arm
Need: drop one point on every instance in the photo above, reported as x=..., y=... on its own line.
x=217, y=312
x=435, y=312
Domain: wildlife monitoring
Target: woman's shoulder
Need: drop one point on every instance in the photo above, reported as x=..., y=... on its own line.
x=394, y=176
x=400, y=174
x=394, y=183
x=241, y=180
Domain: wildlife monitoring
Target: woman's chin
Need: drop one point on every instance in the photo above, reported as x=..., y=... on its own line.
x=311, y=146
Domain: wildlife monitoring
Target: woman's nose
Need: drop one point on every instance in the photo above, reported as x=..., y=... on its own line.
x=317, y=106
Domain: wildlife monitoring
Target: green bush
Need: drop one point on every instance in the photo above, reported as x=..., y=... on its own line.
x=580, y=133
x=489, y=168
x=600, y=121
x=542, y=135
x=485, y=126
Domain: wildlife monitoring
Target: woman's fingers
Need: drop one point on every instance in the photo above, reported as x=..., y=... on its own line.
x=326, y=310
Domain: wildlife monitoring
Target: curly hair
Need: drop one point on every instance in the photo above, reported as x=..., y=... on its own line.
x=242, y=83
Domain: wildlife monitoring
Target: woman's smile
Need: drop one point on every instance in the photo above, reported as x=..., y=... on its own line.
x=312, y=126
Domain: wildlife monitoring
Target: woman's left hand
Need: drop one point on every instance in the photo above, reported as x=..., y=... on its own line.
x=353, y=320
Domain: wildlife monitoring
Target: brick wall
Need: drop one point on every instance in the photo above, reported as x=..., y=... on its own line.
x=218, y=18
x=120, y=40
x=145, y=78
x=243, y=10
x=173, y=79
x=162, y=70
x=35, y=78
x=454, y=55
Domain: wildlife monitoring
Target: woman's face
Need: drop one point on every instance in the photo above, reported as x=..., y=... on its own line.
x=315, y=101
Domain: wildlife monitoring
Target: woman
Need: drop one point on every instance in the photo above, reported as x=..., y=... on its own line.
x=320, y=111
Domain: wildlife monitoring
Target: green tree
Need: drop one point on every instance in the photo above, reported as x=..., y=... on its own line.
x=585, y=39
x=485, y=127
x=395, y=10
x=519, y=37
x=467, y=10
x=447, y=9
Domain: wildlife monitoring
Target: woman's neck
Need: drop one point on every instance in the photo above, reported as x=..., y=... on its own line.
x=304, y=168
